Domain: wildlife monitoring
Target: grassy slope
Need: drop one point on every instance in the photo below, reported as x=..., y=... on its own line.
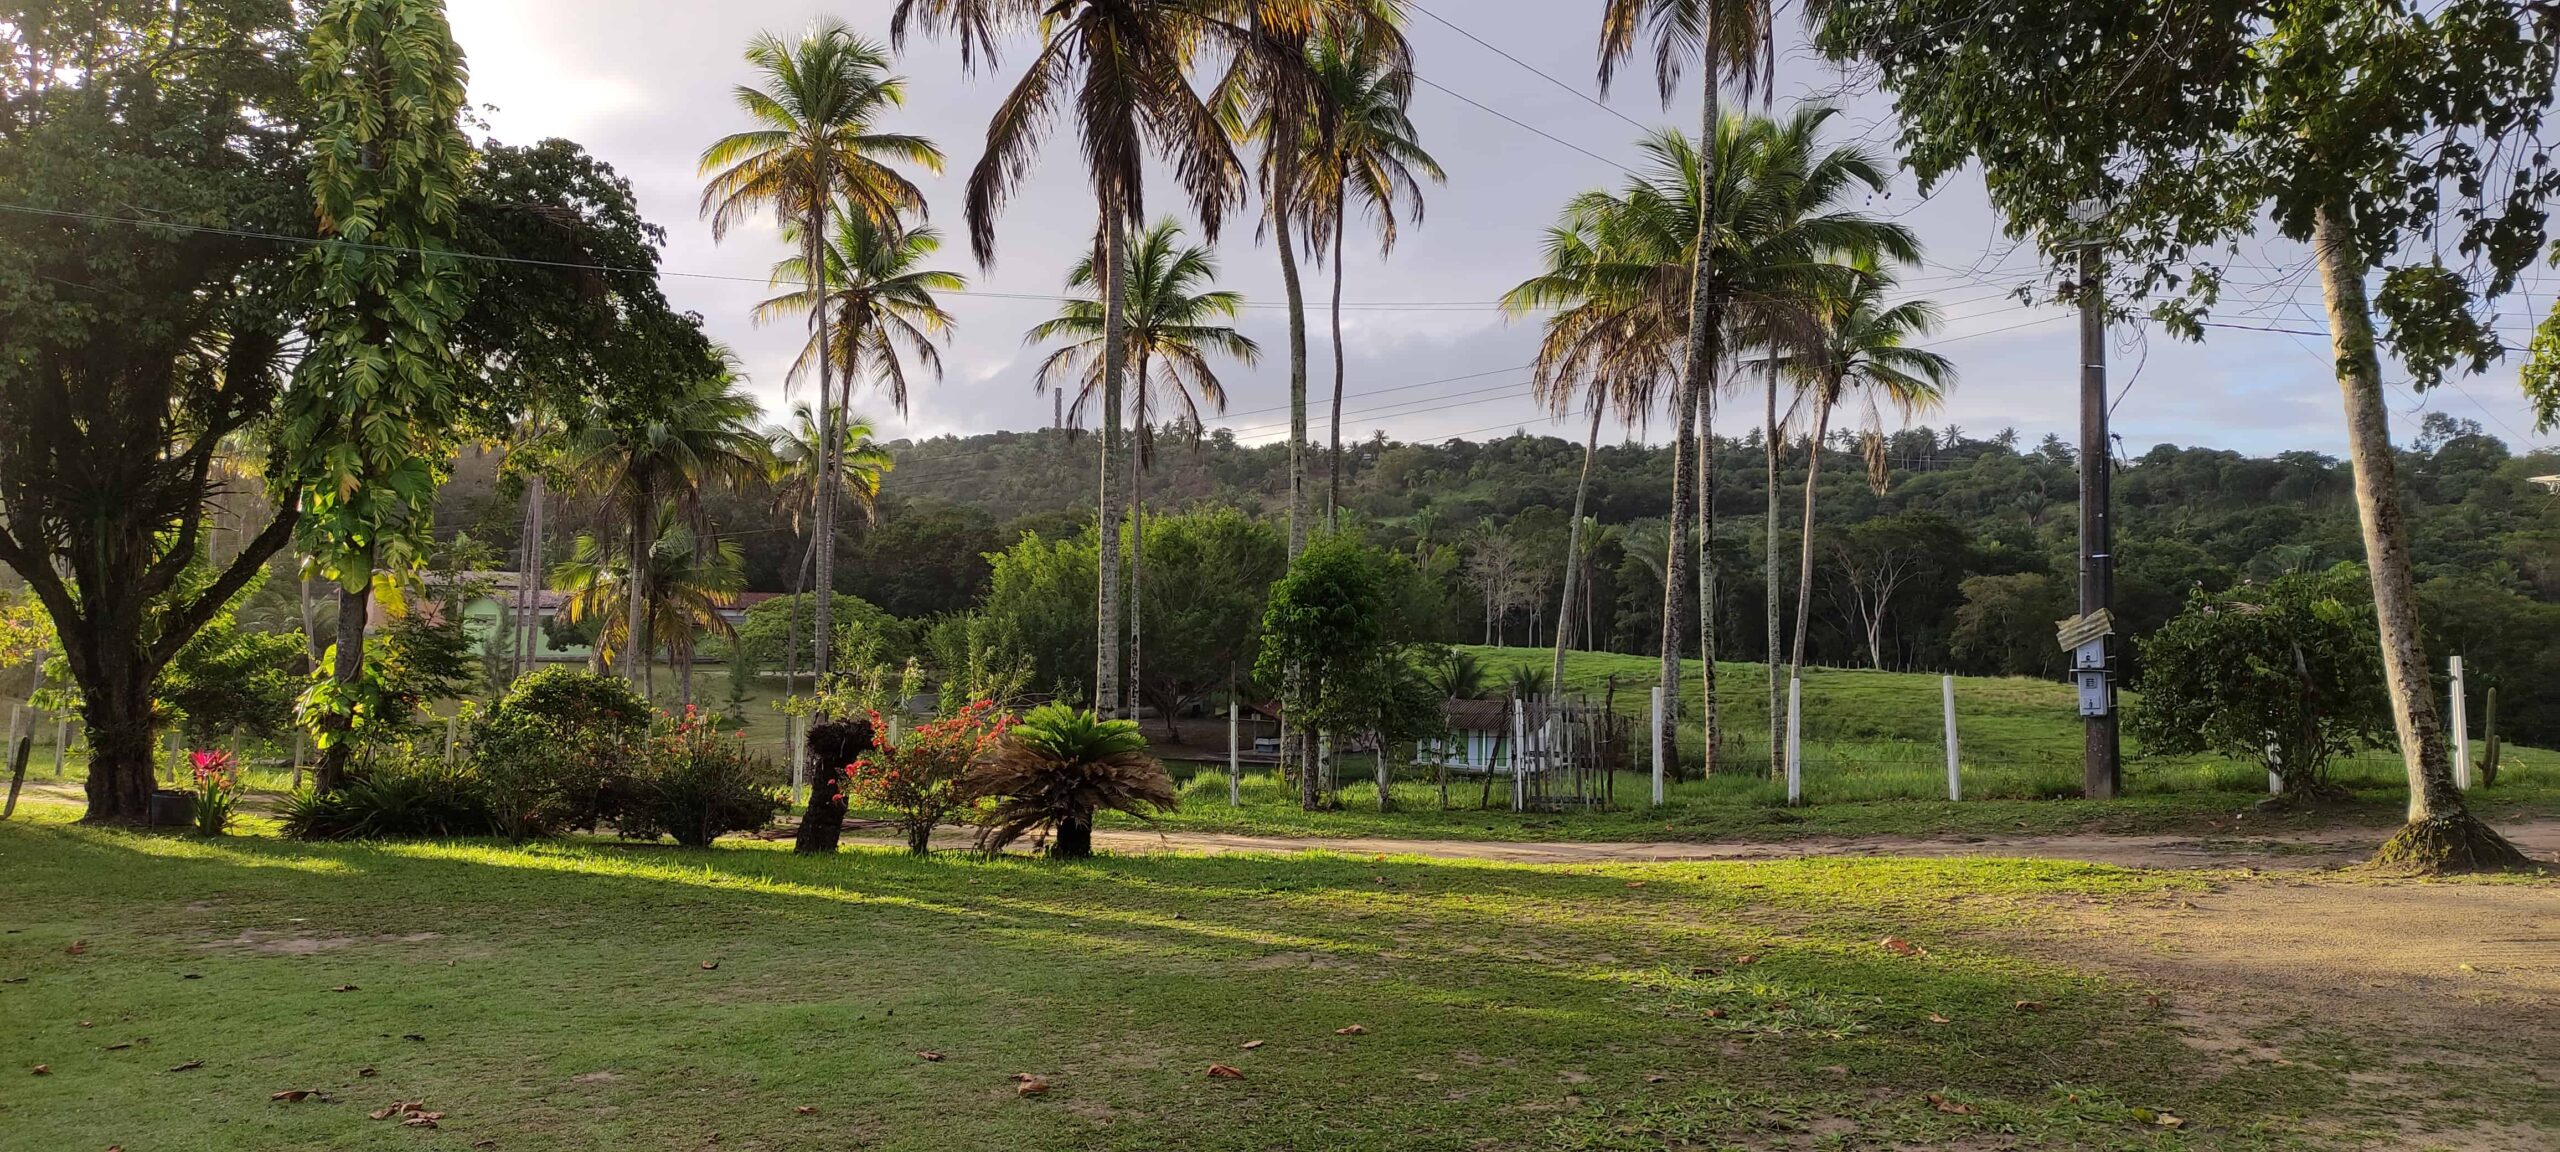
x=556, y=998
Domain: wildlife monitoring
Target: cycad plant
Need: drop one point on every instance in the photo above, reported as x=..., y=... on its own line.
x=1057, y=769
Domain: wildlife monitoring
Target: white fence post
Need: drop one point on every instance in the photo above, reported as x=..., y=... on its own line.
x=791, y=748
x=1955, y=781
x=1235, y=757
x=2461, y=731
x=1795, y=740
x=61, y=743
x=1656, y=721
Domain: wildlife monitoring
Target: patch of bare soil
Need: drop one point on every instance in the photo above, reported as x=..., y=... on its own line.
x=285, y=944
x=2415, y=993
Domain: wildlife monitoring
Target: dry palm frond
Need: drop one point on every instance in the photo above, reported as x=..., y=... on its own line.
x=1059, y=767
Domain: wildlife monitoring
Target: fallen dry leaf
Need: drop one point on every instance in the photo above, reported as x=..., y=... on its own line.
x=118, y=1047
x=804, y=1110
x=1747, y=958
x=708, y=965
x=2030, y=1006
x=929, y=1056
x=1351, y=1030
x=1952, y=1107
x=2152, y=1000
x=1715, y=1013
x=367, y=1070
x=41, y=1070
x=344, y=988
x=1026, y=1084
x=1224, y=1072
x=420, y=1120
x=84, y=1023
x=1635, y=883
x=413, y=1036
x=1901, y=947
x=1250, y=1045
x=298, y=1095
x=2166, y=1120
x=189, y=1066
x=1934, y=1018
x=1656, y=1078
x=77, y=947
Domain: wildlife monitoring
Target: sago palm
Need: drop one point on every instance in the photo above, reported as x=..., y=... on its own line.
x=1861, y=347
x=1174, y=321
x=1057, y=769
x=817, y=147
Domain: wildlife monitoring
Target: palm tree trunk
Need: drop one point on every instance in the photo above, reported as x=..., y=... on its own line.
x=822, y=631
x=635, y=593
x=1693, y=377
x=1804, y=555
x=1138, y=547
x=1284, y=175
x=1333, y=459
x=1115, y=291
x=1707, y=575
x=530, y=646
x=2442, y=835
x=1573, y=547
x=1770, y=446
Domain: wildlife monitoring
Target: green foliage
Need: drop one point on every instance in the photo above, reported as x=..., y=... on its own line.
x=1059, y=767
x=1208, y=575
x=2006, y=623
x=694, y=784
x=2287, y=674
x=229, y=677
x=922, y=779
x=1043, y=593
x=768, y=627
x=554, y=746
x=1338, y=635
x=402, y=795
x=976, y=659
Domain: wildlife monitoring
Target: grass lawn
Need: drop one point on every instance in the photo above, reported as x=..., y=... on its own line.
x=566, y=996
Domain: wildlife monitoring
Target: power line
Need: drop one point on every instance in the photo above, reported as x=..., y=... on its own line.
x=1578, y=93
x=1522, y=125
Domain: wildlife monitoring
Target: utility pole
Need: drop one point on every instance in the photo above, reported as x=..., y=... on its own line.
x=2102, y=761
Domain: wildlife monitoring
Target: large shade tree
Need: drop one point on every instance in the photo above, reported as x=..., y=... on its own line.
x=2402, y=144
x=817, y=153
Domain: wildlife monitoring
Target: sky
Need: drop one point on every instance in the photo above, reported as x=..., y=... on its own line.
x=646, y=84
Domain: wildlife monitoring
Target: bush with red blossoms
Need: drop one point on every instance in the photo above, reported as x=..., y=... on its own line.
x=918, y=780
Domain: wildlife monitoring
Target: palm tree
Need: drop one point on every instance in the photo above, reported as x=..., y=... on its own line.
x=879, y=299
x=1730, y=39
x=1861, y=344
x=687, y=580
x=1059, y=767
x=1124, y=67
x=1362, y=147
x=641, y=458
x=861, y=465
x=816, y=147
x=1171, y=324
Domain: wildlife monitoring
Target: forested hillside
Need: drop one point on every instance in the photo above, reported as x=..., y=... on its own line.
x=1963, y=557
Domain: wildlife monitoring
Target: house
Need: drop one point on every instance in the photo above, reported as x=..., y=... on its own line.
x=491, y=604
x=1478, y=739
x=2546, y=483
x=736, y=614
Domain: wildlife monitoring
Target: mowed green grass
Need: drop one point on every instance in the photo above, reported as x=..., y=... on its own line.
x=566, y=996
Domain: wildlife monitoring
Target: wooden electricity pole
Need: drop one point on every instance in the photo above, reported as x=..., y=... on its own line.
x=2102, y=765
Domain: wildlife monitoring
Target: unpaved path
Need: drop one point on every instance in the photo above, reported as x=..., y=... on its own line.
x=2322, y=848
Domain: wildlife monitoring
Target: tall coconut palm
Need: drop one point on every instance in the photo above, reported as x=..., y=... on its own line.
x=686, y=580
x=1362, y=149
x=1124, y=67
x=663, y=450
x=1730, y=40
x=879, y=300
x=817, y=104
x=862, y=465
x=1861, y=347
x=1173, y=322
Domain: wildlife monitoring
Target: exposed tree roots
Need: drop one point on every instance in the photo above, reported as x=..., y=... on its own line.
x=2450, y=844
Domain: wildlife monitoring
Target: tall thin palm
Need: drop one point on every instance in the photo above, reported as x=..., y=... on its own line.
x=879, y=301
x=1861, y=347
x=1174, y=322
x=817, y=145
x=862, y=465
x=1362, y=149
x=686, y=580
x=643, y=458
x=1124, y=67
x=1730, y=40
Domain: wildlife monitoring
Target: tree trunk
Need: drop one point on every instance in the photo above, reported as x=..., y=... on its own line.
x=1137, y=572
x=1071, y=840
x=530, y=626
x=116, y=707
x=1699, y=362
x=1333, y=458
x=1714, y=727
x=830, y=747
x=830, y=438
x=1675, y=573
x=1804, y=553
x=1573, y=547
x=2442, y=835
x=636, y=646
x=348, y=671
x=1281, y=217
x=1769, y=445
x=1115, y=350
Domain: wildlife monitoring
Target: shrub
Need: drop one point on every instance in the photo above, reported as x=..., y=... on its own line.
x=554, y=746
x=405, y=797
x=694, y=784
x=217, y=791
x=920, y=779
x=1057, y=768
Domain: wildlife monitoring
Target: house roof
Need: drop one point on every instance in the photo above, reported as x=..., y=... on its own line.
x=1477, y=715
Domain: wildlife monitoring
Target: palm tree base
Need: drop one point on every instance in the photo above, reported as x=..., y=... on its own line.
x=2451, y=844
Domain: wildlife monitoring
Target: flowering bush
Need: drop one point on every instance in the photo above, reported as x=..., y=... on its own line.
x=919, y=779
x=693, y=783
x=217, y=790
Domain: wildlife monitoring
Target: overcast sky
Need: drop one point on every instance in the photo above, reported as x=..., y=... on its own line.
x=645, y=85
